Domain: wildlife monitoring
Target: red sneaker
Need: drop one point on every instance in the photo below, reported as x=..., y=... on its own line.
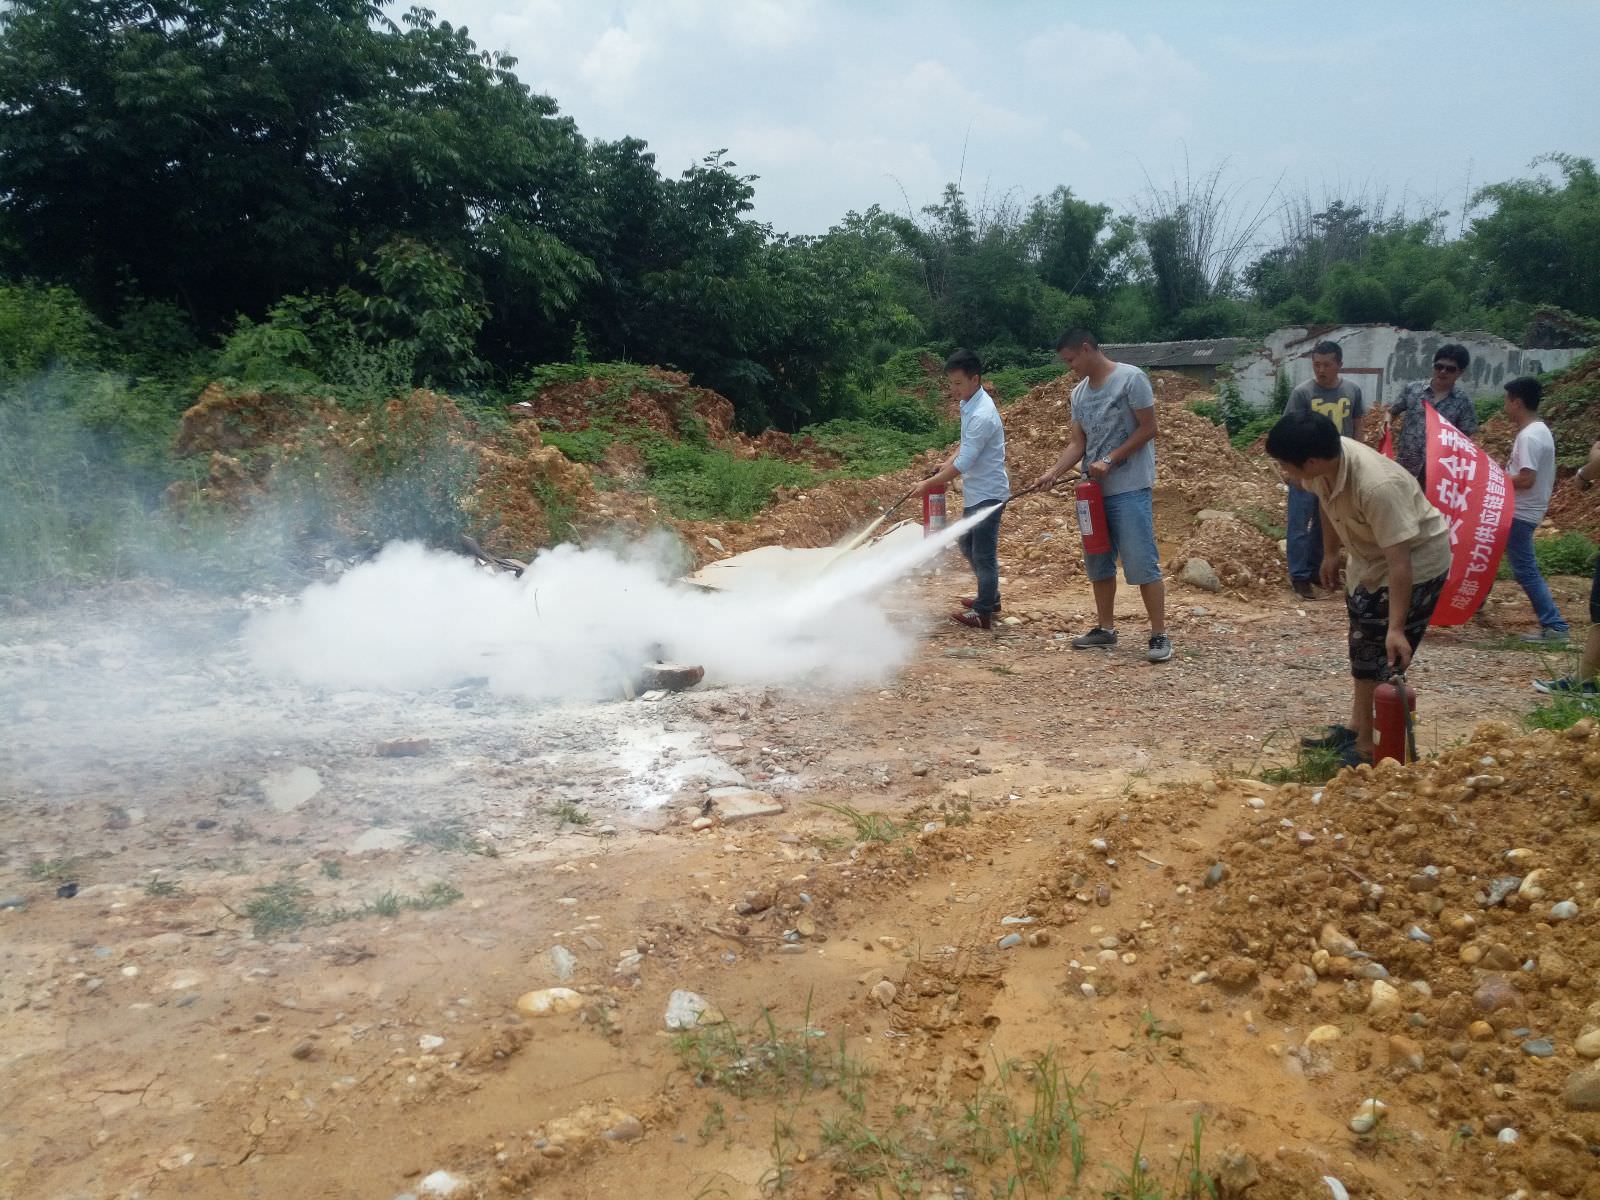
x=969, y=601
x=973, y=620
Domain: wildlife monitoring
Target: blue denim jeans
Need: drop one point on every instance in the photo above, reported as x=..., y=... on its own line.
x=1305, y=535
x=1525, y=568
x=980, y=545
x=1131, y=522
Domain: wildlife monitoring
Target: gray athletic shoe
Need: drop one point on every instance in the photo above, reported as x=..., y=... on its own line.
x=1160, y=648
x=1096, y=638
x=1553, y=637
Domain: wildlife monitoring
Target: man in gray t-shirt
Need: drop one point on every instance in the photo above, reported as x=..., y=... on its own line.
x=1331, y=395
x=1113, y=434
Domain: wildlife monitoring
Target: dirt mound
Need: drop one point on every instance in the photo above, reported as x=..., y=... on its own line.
x=652, y=398
x=1427, y=936
x=1197, y=469
x=1242, y=557
x=226, y=421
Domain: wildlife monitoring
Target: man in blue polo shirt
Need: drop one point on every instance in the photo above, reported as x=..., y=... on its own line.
x=980, y=461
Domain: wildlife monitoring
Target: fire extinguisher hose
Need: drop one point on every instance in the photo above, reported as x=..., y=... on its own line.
x=1399, y=680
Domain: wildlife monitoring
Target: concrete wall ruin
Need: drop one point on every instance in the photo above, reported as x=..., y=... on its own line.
x=1384, y=358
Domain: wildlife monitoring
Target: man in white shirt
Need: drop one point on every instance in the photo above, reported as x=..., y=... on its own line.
x=1587, y=680
x=1533, y=474
x=980, y=463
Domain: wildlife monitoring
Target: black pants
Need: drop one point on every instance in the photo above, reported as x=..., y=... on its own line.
x=980, y=545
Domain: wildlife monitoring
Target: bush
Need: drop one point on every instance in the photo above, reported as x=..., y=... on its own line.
x=1015, y=381
x=1488, y=407
x=1251, y=430
x=1236, y=414
x=1569, y=553
x=1208, y=409
x=1281, y=391
x=44, y=328
x=868, y=449
x=580, y=445
x=699, y=484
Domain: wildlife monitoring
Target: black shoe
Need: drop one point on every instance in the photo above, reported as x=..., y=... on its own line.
x=1096, y=638
x=1337, y=738
x=1567, y=685
x=1349, y=756
x=1302, y=588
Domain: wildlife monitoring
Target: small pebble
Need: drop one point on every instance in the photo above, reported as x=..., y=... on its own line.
x=1367, y=1116
x=1506, y=1136
x=1539, y=1047
x=1563, y=911
x=1010, y=940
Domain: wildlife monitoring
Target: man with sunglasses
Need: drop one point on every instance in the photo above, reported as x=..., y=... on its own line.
x=1448, y=398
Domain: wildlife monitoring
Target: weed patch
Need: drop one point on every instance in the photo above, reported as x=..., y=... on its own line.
x=1563, y=711
x=280, y=907
x=869, y=827
x=1312, y=764
x=566, y=812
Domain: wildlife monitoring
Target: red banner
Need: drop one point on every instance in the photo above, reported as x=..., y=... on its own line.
x=1475, y=496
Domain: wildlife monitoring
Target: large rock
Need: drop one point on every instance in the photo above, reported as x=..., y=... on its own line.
x=1582, y=1093
x=287, y=790
x=686, y=1010
x=1197, y=572
x=669, y=677
x=548, y=1002
x=742, y=804
x=374, y=840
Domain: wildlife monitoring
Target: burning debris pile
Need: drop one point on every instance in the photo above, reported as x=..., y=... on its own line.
x=1425, y=937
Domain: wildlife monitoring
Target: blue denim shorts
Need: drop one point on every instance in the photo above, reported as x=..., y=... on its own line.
x=1131, y=522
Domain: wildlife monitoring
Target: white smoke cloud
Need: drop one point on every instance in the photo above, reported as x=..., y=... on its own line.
x=579, y=621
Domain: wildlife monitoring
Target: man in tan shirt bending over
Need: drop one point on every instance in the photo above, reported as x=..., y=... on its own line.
x=1398, y=546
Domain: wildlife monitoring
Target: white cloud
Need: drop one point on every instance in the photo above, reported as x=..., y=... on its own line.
x=612, y=66
x=1112, y=62
x=836, y=104
x=1073, y=140
x=932, y=93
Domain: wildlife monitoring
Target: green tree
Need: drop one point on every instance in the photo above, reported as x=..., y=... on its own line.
x=223, y=153
x=1542, y=238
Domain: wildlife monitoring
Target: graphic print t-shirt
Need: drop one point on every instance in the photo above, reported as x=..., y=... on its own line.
x=1341, y=404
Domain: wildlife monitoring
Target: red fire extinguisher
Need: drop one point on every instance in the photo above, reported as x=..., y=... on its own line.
x=932, y=512
x=1394, y=709
x=1092, y=517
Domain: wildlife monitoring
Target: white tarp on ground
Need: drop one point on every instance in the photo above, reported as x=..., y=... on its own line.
x=778, y=568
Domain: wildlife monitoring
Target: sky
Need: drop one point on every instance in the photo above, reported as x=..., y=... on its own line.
x=839, y=106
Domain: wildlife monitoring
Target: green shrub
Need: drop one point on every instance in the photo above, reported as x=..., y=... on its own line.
x=1251, y=430
x=868, y=449
x=580, y=445
x=1209, y=409
x=1569, y=553
x=700, y=484
x=1489, y=407
x=1281, y=391
x=46, y=327
x=1013, y=382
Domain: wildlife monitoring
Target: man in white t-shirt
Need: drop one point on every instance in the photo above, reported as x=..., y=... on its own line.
x=1533, y=474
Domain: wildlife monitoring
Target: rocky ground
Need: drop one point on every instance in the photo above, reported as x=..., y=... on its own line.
x=1022, y=922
